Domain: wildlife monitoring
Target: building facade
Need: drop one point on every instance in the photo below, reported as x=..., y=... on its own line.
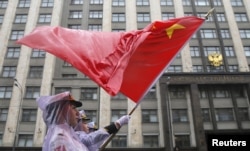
x=205, y=90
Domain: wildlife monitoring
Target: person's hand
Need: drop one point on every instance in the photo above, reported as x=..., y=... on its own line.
x=123, y=120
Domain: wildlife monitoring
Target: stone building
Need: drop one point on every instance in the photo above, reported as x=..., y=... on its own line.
x=204, y=92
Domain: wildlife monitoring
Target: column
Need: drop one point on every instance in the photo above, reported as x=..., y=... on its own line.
x=185, y=52
x=134, y=126
x=48, y=74
x=239, y=50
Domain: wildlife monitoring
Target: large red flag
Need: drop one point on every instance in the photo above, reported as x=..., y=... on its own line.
x=129, y=62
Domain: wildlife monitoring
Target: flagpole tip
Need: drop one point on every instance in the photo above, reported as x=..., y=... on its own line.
x=209, y=13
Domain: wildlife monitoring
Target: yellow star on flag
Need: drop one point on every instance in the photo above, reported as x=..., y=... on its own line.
x=171, y=29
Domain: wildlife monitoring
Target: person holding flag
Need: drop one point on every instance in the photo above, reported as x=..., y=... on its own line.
x=60, y=116
x=93, y=140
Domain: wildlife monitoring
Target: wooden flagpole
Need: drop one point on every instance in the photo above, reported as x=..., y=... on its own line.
x=112, y=135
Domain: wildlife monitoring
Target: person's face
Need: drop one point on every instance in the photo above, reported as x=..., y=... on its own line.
x=85, y=127
x=73, y=114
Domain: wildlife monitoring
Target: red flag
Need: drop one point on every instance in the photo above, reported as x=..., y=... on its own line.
x=129, y=62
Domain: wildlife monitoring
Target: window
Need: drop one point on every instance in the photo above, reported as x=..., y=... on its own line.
x=166, y=2
x=25, y=140
x=243, y=114
x=225, y=33
x=167, y=16
x=36, y=72
x=151, y=94
x=186, y=2
x=202, y=3
x=76, y=2
x=89, y=94
x=224, y=114
x=208, y=33
x=75, y=14
x=62, y=89
x=118, y=2
x=150, y=141
x=36, y=53
x=149, y=116
x=142, y=2
x=9, y=71
x=177, y=92
x=74, y=26
x=16, y=34
x=66, y=64
x=32, y=92
x=143, y=17
x=119, y=141
x=116, y=114
x=210, y=50
x=69, y=75
x=29, y=115
x=236, y=3
x=205, y=115
x=3, y=3
x=182, y=140
x=95, y=27
x=174, y=68
x=221, y=17
x=95, y=14
x=203, y=92
x=92, y=114
x=220, y=92
x=198, y=68
x=118, y=30
x=217, y=2
x=229, y=51
x=238, y=92
x=119, y=96
x=21, y=18
x=118, y=17
x=247, y=50
x=244, y=33
x=233, y=68
x=1, y=19
x=3, y=114
x=5, y=92
x=96, y=2
x=215, y=69
x=44, y=18
x=24, y=3
x=241, y=17
x=194, y=51
x=180, y=115
x=47, y=3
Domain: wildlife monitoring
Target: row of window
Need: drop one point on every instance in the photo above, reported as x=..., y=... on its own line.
x=200, y=68
x=179, y=92
x=26, y=140
x=221, y=115
x=50, y=3
x=195, y=51
x=120, y=17
x=205, y=34
x=26, y=3
x=149, y=115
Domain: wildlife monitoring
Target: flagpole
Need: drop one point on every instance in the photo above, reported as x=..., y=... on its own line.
x=112, y=135
x=209, y=13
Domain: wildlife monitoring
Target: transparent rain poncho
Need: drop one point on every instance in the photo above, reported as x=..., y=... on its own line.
x=59, y=119
x=92, y=140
